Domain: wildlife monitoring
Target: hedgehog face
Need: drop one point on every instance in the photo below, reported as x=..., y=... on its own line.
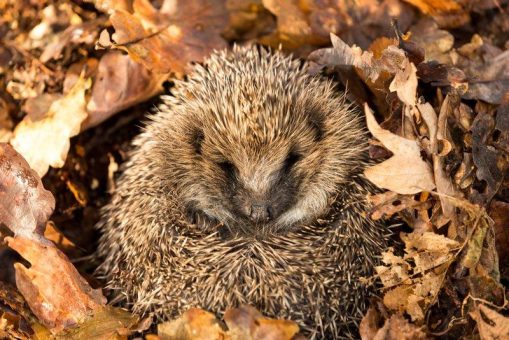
x=256, y=185
x=259, y=147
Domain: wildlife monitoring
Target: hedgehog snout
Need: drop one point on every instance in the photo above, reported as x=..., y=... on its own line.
x=258, y=211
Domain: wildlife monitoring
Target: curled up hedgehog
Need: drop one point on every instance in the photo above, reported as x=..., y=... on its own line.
x=246, y=187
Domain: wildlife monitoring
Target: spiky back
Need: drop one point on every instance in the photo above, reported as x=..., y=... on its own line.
x=158, y=262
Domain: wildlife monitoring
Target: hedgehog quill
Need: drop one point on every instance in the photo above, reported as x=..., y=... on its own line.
x=246, y=187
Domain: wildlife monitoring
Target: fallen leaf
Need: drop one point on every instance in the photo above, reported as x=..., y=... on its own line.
x=389, y=203
x=119, y=83
x=491, y=164
x=487, y=70
x=405, y=83
x=52, y=132
x=52, y=233
x=395, y=327
x=24, y=203
x=340, y=54
x=244, y=323
x=438, y=131
x=435, y=6
x=491, y=324
x=405, y=172
x=499, y=212
x=167, y=40
x=106, y=323
x=193, y=324
x=414, y=280
x=83, y=33
x=436, y=42
x=247, y=323
x=306, y=23
x=15, y=316
x=52, y=287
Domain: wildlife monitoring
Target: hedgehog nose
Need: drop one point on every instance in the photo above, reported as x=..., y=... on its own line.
x=260, y=213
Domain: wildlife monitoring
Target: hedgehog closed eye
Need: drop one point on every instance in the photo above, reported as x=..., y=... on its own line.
x=291, y=160
x=228, y=168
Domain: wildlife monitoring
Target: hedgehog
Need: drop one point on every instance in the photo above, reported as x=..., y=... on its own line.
x=246, y=187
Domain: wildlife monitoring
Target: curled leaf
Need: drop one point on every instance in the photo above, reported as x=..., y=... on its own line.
x=405, y=172
x=52, y=287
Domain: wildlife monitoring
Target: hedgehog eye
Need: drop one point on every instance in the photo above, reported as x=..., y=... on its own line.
x=228, y=168
x=290, y=161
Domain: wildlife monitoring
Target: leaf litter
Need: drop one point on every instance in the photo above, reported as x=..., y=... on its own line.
x=432, y=77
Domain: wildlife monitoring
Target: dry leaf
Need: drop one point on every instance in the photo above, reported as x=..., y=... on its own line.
x=438, y=131
x=389, y=203
x=491, y=163
x=83, y=33
x=343, y=55
x=105, y=324
x=491, y=324
x=405, y=83
x=193, y=324
x=247, y=323
x=435, y=6
x=415, y=280
x=52, y=132
x=405, y=172
x=120, y=83
x=244, y=323
x=52, y=287
x=24, y=203
x=170, y=38
x=394, y=328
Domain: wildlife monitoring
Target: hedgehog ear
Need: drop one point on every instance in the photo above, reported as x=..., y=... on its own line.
x=316, y=120
x=197, y=138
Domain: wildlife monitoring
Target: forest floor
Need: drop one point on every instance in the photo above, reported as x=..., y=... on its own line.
x=431, y=77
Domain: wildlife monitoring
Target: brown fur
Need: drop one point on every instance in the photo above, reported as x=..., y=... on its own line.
x=219, y=203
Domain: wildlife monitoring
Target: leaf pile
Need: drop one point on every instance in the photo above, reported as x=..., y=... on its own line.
x=432, y=80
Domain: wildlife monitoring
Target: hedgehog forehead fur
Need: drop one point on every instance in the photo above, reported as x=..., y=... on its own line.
x=246, y=129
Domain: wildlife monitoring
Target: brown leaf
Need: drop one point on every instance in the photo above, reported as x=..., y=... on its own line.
x=499, y=212
x=438, y=131
x=83, y=33
x=24, y=203
x=301, y=23
x=52, y=132
x=492, y=164
x=119, y=83
x=340, y=54
x=394, y=328
x=244, y=323
x=14, y=314
x=436, y=6
x=247, y=323
x=491, y=325
x=52, y=233
x=405, y=83
x=106, y=323
x=193, y=324
x=52, y=287
x=293, y=29
x=170, y=38
x=390, y=203
x=415, y=280
x=487, y=69
x=436, y=42
x=405, y=172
